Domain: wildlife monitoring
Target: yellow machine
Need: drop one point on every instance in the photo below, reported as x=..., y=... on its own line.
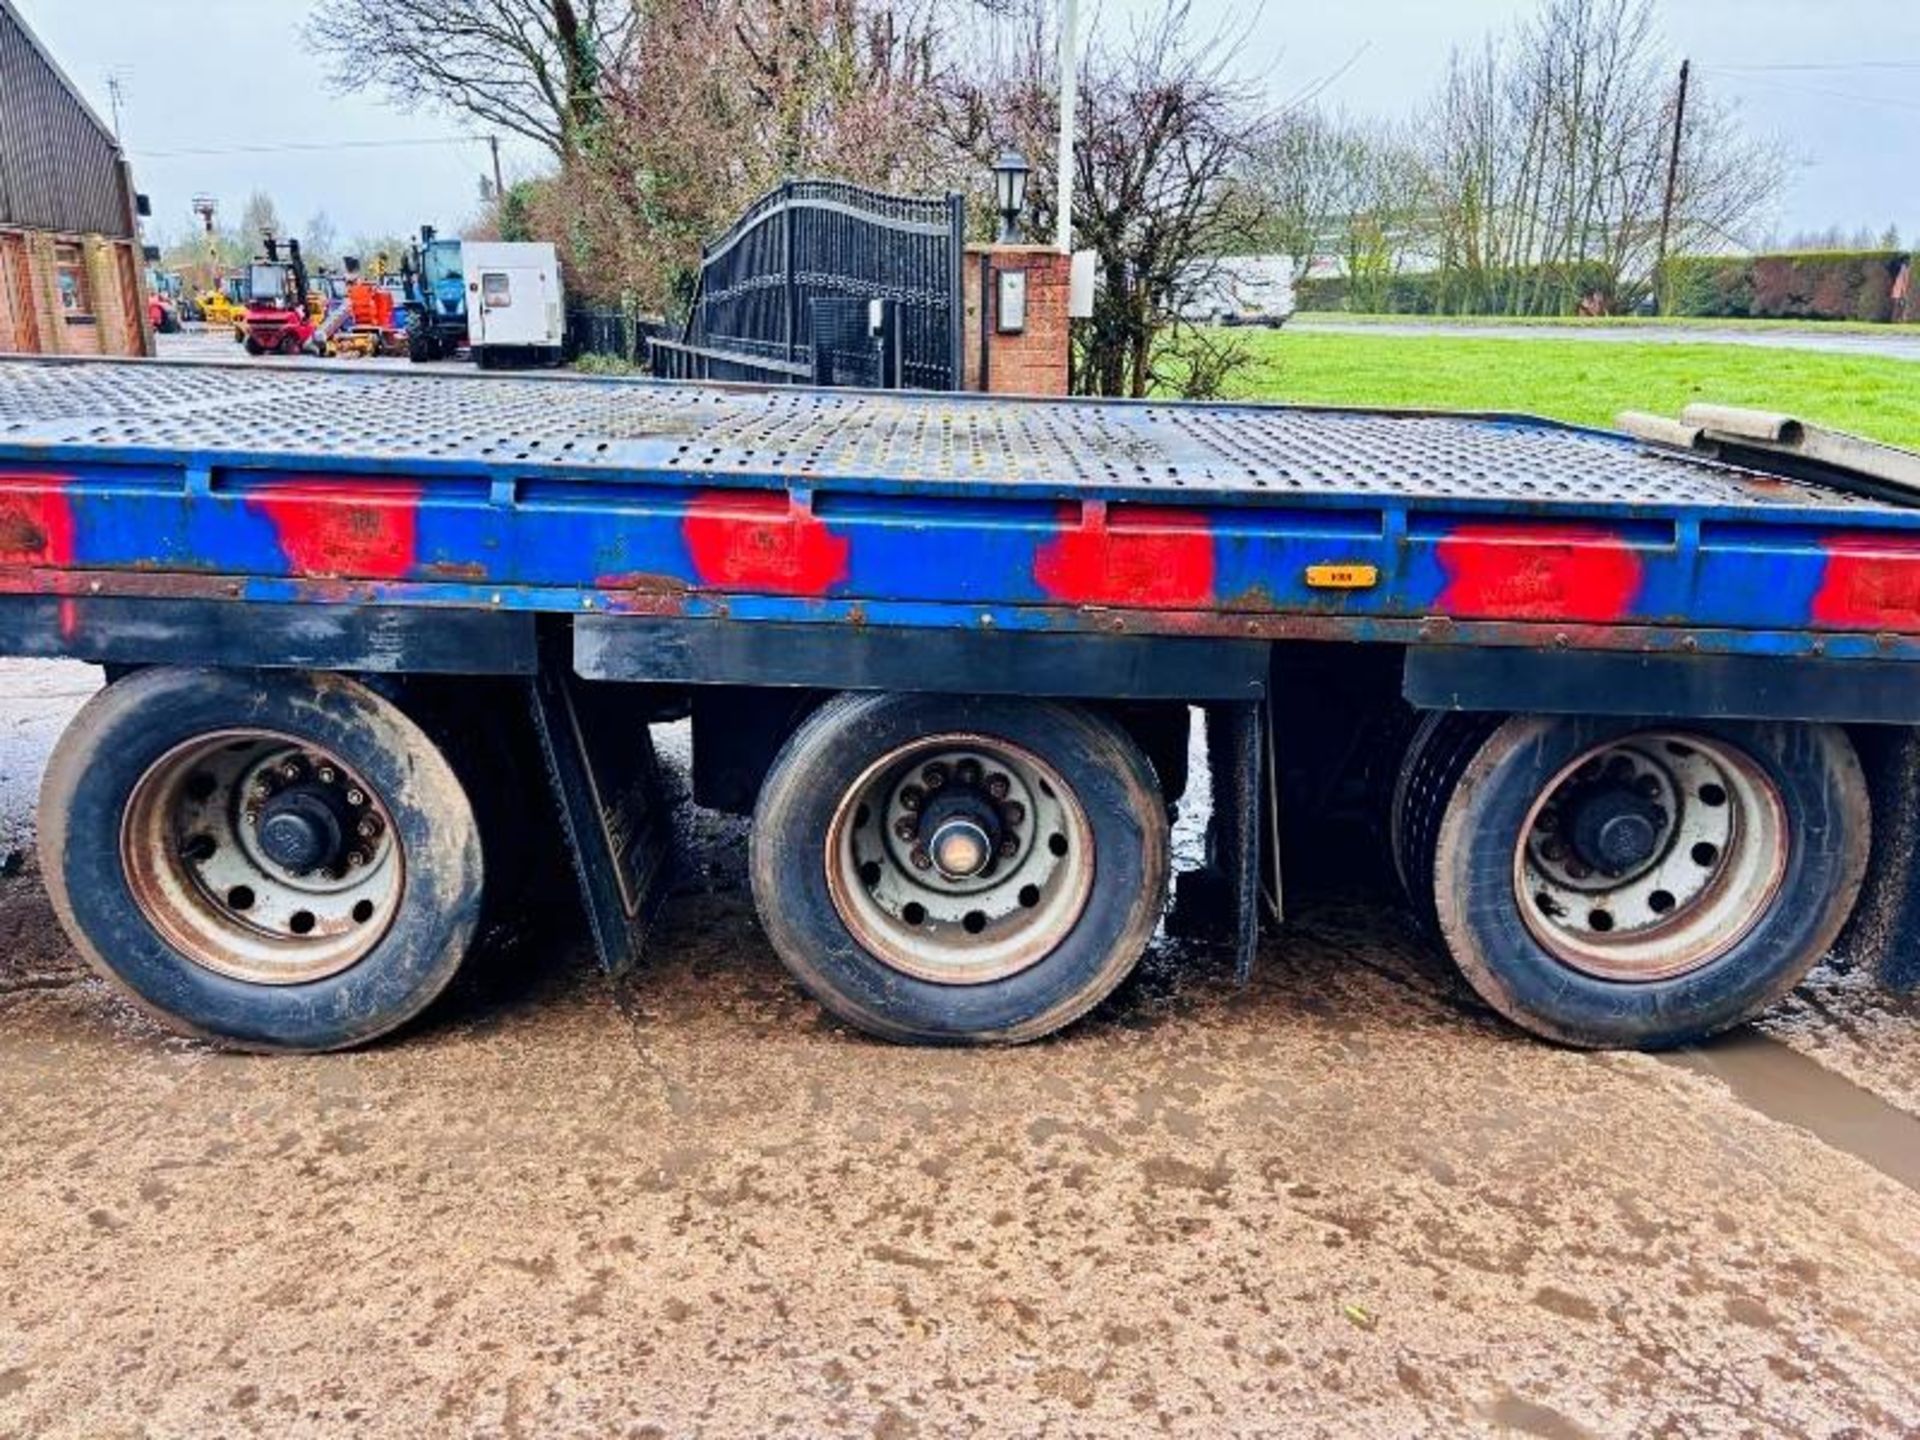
x=226, y=305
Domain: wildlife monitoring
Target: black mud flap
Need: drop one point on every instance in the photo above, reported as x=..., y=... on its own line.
x=1884, y=934
x=607, y=782
x=1221, y=902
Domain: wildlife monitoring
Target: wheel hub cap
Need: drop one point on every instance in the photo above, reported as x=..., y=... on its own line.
x=961, y=848
x=1616, y=831
x=300, y=831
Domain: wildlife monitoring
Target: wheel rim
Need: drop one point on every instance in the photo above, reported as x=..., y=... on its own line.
x=1650, y=857
x=262, y=858
x=960, y=859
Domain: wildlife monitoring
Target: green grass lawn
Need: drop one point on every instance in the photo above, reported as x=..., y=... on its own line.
x=1588, y=383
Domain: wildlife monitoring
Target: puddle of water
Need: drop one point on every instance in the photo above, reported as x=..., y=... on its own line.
x=1514, y=1415
x=1784, y=1085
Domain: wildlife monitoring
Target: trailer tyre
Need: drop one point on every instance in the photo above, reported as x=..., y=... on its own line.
x=1620, y=883
x=943, y=869
x=276, y=861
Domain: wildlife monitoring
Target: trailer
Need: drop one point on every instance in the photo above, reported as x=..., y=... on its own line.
x=1637, y=722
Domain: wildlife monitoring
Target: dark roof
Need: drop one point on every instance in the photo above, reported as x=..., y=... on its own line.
x=60, y=168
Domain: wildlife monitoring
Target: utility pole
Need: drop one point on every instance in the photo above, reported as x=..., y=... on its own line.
x=113, y=98
x=499, y=190
x=1069, y=99
x=204, y=206
x=1673, y=185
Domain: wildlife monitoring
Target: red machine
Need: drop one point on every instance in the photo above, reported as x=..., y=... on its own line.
x=278, y=318
x=162, y=314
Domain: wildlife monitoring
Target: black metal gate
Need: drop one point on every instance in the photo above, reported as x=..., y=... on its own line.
x=826, y=283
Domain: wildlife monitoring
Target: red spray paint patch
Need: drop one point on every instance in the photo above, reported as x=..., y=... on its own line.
x=1537, y=572
x=1870, y=583
x=769, y=543
x=339, y=528
x=36, y=520
x=1155, y=557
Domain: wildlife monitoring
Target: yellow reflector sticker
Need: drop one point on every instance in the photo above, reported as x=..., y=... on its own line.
x=1342, y=577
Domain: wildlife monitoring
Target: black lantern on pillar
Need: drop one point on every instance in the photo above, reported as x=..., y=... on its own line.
x=1010, y=173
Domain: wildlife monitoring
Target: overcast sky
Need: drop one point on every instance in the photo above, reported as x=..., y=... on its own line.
x=219, y=76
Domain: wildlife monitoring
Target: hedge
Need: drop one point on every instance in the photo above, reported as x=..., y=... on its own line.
x=1804, y=285
x=1527, y=290
x=1811, y=285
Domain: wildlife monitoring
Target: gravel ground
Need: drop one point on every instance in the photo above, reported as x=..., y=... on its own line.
x=1343, y=1200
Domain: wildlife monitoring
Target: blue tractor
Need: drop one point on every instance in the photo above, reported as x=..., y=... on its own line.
x=436, y=298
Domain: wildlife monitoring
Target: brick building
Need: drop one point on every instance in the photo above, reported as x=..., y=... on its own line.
x=71, y=272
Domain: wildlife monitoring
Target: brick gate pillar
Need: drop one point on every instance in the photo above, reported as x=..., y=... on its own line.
x=1009, y=352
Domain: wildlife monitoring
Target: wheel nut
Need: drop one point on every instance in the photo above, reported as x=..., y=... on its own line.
x=1578, y=869
x=356, y=797
x=934, y=776
x=326, y=774
x=905, y=828
x=1009, y=846
x=290, y=770
x=1554, y=850
x=262, y=788
x=253, y=815
x=1548, y=822
x=355, y=859
x=1649, y=786
x=1014, y=813
x=998, y=786
x=367, y=828
x=920, y=858
x=967, y=772
x=912, y=798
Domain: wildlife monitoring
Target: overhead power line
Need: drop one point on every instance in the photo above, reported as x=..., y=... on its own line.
x=294, y=145
x=1828, y=65
x=1885, y=102
x=1317, y=88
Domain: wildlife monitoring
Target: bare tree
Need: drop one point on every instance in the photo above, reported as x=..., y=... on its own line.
x=258, y=216
x=1162, y=127
x=320, y=239
x=725, y=98
x=1546, y=156
x=1302, y=182
x=530, y=67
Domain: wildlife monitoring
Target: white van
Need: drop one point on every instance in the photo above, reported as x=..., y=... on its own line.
x=1240, y=290
x=516, y=306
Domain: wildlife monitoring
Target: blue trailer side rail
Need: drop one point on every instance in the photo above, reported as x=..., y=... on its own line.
x=387, y=492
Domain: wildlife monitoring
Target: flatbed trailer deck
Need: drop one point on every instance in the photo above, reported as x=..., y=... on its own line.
x=748, y=553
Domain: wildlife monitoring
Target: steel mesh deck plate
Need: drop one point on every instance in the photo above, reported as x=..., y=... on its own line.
x=265, y=413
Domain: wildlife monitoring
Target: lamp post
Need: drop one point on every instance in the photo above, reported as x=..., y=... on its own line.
x=1010, y=173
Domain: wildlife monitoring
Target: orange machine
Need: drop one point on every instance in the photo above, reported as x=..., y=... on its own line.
x=372, y=305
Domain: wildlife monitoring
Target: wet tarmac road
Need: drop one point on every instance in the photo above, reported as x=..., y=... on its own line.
x=1894, y=342
x=1344, y=1201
